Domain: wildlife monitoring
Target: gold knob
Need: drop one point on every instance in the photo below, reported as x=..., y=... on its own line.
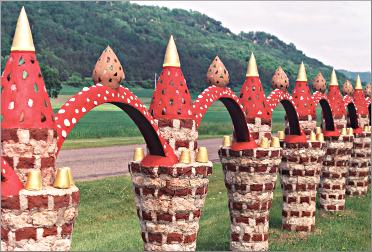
x=275, y=143
x=185, y=156
x=320, y=137
x=344, y=132
x=366, y=128
x=226, y=141
x=62, y=180
x=139, y=154
x=202, y=155
x=318, y=130
x=264, y=143
x=312, y=137
x=281, y=135
x=350, y=131
x=34, y=181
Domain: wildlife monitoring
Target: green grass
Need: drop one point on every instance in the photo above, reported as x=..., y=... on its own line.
x=108, y=221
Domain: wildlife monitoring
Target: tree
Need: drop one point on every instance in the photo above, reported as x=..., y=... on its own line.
x=74, y=80
x=52, y=80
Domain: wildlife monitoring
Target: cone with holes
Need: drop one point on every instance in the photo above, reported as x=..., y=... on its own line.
x=170, y=199
x=32, y=220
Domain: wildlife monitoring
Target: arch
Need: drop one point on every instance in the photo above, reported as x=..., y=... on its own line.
x=90, y=97
x=278, y=96
x=352, y=114
x=213, y=93
x=322, y=99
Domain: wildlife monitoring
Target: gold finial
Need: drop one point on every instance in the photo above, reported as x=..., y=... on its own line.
x=72, y=182
x=318, y=130
x=275, y=143
x=139, y=154
x=62, y=180
x=202, y=155
x=226, y=141
x=350, y=131
x=185, y=156
x=301, y=76
x=312, y=137
x=33, y=182
x=171, y=57
x=366, y=128
x=358, y=83
x=281, y=134
x=22, y=40
x=252, y=70
x=333, y=81
x=320, y=137
x=344, y=132
x=264, y=143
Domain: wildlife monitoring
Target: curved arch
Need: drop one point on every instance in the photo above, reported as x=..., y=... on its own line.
x=90, y=97
x=327, y=112
x=213, y=93
x=278, y=96
x=352, y=114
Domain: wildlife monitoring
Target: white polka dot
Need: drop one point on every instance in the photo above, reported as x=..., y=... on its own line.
x=11, y=105
x=61, y=111
x=64, y=134
x=83, y=109
x=76, y=111
x=88, y=100
x=95, y=103
x=85, y=88
x=66, y=122
x=73, y=120
x=72, y=99
x=30, y=102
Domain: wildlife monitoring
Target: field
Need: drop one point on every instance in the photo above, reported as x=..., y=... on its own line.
x=108, y=221
x=107, y=125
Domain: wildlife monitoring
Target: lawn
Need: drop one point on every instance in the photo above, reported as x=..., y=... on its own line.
x=107, y=125
x=108, y=221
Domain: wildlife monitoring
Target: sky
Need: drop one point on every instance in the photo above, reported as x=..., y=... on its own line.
x=336, y=33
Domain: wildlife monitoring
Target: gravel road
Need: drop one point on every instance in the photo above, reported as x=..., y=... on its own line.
x=94, y=163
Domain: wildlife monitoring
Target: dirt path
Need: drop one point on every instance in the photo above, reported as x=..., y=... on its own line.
x=94, y=163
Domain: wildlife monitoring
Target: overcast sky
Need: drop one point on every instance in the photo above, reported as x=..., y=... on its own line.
x=336, y=33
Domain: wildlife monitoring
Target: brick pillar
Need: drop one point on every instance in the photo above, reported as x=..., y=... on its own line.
x=250, y=177
x=259, y=128
x=39, y=220
x=360, y=163
x=334, y=171
x=307, y=124
x=300, y=175
x=169, y=201
x=26, y=149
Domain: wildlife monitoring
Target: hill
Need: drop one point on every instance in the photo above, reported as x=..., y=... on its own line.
x=364, y=76
x=70, y=36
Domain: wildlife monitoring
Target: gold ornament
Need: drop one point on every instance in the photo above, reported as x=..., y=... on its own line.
x=202, y=155
x=264, y=143
x=34, y=181
x=333, y=81
x=344, y=132
x=281, y=135
x=275, y=142
x=301, y=76
x=318, y=130
x=62, y=180
x=22, y=40
x=139, y=154
x=171, y=57
x=350, y=131
x=312, y=137
x=320, y=137
x=185, y=156
x=226, y=141
x=252, y=70
x=358, y=83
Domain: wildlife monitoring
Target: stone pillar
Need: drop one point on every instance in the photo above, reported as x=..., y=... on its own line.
x=360, y=162
x=26, y=149
x=334, y=171
x=169, y=201
x=39, y=220
x=250, y=177
x=300, y=175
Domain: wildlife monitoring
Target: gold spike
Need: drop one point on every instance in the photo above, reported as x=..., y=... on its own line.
x=171, y=57
x=72, y=182
x=226, y=141
x=33, y=182
x=264, y=143
x=185, y=156
x=275, y=143
x=22, y=40
x=312, y=137
x=202, y=155
x=301, y=76
x=139, y=154
x=333, y=81
x=62, y=179
x=252, y=70
x=320, y=137
x=350, y=131
x=318, y=130
x=358, y=83
x=281, y=134
x=344, y=132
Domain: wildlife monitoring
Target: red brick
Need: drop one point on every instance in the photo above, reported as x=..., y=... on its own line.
x=284, y=213
x=186, y=123
x=234, y=236
x=287, y=227
x=256, y=187
x=200, y=170
x=37, y=201
x=9, y=134
x=75, y=197
x=254, y=206
x=9, y=160
x=257, y=237
x=275, y=153
x=166, y=170
x=137, y=190
x=182, y=143
x=246, y=237
x=302, y=228
x=186, y=171
x=197, y=213
x=10, y=202
x=165, y=123
x=48, y=231
x=183, y=216
x=261, y=153
x=260, y=220
x=190, y=238
x=274, y=169
x=260, y=168
x=39, y=134
x=306, y=214
x=269, y=186
x=143, y=235
x=164, y=217
x=237, y=206
x=26, y=162
x=25, y=233
x=61, y=201
x=148, y=191
x=146, y=216
x=154, y=237
x=248, y=153
x=182, y=192
x=304, y=200
x=66, y=230
x=135, y=168
x=174, y=237
x=295, y=213
x=242, y=219
x=199, y=191
x=4, y=234
x=148, y=171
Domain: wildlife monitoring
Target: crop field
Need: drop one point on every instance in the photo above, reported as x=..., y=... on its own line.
x=107, y=125
x=108, y=221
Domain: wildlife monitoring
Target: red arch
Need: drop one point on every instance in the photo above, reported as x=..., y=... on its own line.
x=90, y=97
x=212, y=94
x=278, y=96
x=322, y=99
x=352, y=111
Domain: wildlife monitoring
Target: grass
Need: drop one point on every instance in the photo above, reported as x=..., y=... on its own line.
x=108, y=221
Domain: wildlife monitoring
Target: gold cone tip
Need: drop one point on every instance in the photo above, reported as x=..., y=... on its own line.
x=185, y=156
x=320, y=137
x=202, y=155
x=34, y=181
x=171, y=57
x=281, y=135
x=72, y=182
x=358, y=83
x=344, y=132
x=350, y=131
x=366, y=128
x=252, y=70
x=62, y=180
x=139, y=154
x=318, y=130
x=22, y=40
x=334, y=81
x=264, y=143
x=226, y=141
x=275, y=142
x=312, y=137
x=301, y=75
